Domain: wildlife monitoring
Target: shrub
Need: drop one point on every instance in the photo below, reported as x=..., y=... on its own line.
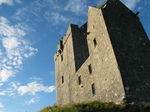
x=96, y=106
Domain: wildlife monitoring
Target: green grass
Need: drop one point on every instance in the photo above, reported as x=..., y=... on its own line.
x=96, y=106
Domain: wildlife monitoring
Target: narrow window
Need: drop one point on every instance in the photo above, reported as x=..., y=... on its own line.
x=61, y=57
x=79, y=80
x=61, y=44
x=62, y=79
x=95, y=42
x=90, y=69
x=93, y=26
x=93, y=88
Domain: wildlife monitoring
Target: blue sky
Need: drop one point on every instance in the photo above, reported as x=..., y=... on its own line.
x=29, y=33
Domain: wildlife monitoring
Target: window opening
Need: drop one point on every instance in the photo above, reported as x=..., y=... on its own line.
x=62, y=79
x=61, y=44
x=93, y=88
x=90, y=69
x=95, y=42
x=79, y=80
x=93, y=26
x=61, y=57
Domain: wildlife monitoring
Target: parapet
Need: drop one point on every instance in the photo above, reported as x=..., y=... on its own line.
x=63, y=40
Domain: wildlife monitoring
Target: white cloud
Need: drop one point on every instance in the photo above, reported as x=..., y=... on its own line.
x=10, y=43
x=33, y=100
x=15, y=85
x=140, y=8
x=18, y=1
x=7, y=92
x=3, y=20
x=56, y=17
x=20, y=14
x=131, y=4
x=1, y=105
x=35, y=78
x=77, y=6
x=11, y=91
x=5, y=29
x=9, y=2
x=34, y=87
x=32, y=10
x=14, y=49
x=2, y=93
x=6, y=74
x=1, y=84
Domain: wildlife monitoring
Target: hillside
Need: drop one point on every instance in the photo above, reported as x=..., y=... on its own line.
x=98, y=107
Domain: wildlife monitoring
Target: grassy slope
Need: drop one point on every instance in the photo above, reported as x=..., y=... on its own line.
x=98, y=107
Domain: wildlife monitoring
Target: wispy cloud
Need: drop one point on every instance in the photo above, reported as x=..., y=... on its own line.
x=1, y=105
x=14, y=85
x=33, y=100
x=140, y=8
x=1, y=84
x=56, y=17
x=35, y=79
x=33, y=10
x=18, y=1
x=77, y=6
x=14, y=49
x=8, y=92
x=20, y=14
x=34, y=87
x=9, y=2
x=6, y=74
x=11, y=91
x=146, y=2
x=131, y=3
x=54, y=13
x=2, y=93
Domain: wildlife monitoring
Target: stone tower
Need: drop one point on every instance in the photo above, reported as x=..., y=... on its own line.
x=107, y=59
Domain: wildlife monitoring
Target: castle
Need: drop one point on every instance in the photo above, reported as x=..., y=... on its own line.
x=107, y=59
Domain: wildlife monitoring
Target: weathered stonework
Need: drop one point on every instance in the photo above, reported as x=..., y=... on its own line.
x=107, y=59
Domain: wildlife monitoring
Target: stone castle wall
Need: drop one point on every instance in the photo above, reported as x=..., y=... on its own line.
x=132, y=50
x=104, y=59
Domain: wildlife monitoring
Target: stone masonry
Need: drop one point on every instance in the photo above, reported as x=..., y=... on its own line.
x=107, y=59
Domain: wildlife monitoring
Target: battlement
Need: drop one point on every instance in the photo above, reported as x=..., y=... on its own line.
x=63, y=40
